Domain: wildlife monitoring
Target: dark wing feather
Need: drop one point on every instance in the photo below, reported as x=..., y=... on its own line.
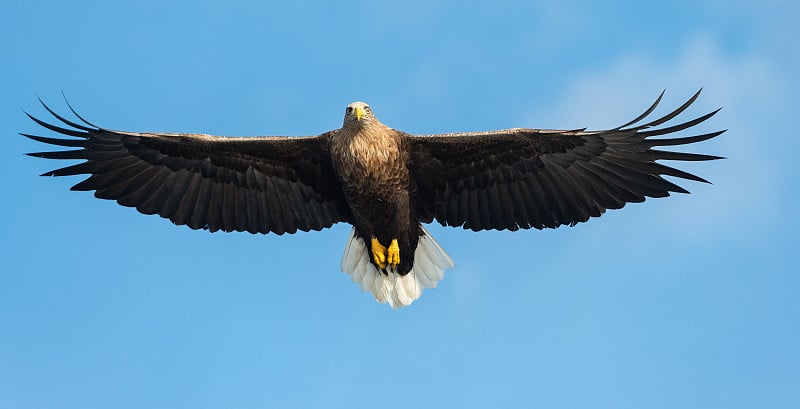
x=521, y=178
x=256, y=184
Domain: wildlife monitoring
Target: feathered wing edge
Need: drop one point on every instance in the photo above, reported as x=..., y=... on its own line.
x=540, y=178
x=181, y=177
x=430, y=263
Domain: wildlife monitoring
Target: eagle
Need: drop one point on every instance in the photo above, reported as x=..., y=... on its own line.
x=384, y=182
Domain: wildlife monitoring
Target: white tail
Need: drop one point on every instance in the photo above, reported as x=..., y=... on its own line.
x=430, y=262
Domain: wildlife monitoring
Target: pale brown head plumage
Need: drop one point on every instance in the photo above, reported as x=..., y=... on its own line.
x=358, y=114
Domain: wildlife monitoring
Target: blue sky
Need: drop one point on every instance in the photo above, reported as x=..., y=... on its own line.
x=689, y=301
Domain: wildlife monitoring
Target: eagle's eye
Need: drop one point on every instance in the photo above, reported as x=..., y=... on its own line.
x=349, y=110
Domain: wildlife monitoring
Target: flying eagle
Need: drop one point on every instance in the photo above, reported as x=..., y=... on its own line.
x=384, y=182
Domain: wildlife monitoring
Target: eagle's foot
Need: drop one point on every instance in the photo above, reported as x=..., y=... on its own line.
x=378, y=253
x=393, y=257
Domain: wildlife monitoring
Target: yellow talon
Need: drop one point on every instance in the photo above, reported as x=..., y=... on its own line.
x=379, y=253
x=394, y=253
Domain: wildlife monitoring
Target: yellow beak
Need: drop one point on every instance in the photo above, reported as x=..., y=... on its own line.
x=359, y=113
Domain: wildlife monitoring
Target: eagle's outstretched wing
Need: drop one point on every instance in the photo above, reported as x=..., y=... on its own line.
x=522, y=178
x=256, y=184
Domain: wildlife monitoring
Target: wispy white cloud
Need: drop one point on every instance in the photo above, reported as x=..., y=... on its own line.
x=748, y=86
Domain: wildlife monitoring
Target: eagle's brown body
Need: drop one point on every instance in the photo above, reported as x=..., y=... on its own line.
x=371, y=165
x=384, y=182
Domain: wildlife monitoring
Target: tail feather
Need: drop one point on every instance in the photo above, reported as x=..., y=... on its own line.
x=423, y=277
x=437, y=259
x=349, y=259
x=430, y=262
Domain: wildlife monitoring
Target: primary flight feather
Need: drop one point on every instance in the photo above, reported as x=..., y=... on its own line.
x=384, y=182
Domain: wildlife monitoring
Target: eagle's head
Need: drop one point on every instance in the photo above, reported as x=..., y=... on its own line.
x=358, y=114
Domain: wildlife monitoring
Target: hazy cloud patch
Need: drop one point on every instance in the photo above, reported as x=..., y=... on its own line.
x=747, y=184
